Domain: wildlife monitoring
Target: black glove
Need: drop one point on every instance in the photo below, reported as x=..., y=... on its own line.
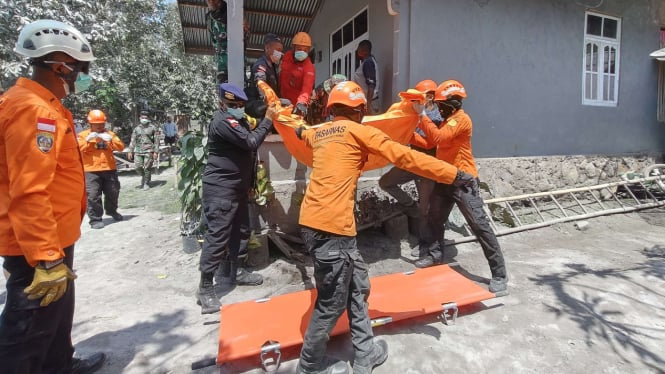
x=299, y=131
x=465, y=182
x=301, y=108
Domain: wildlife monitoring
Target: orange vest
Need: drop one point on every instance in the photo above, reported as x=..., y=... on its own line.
x=96, y=159
x=452, y=139
x=340, y=150
x=42, y=186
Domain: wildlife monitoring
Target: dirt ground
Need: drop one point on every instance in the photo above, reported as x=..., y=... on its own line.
x=579, y=301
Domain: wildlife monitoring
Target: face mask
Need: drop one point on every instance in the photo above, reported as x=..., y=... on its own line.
x=300, y=55
x=276, y=56
x=237, y=113
x=145, y=121
x=446, y=110
x=82, y=83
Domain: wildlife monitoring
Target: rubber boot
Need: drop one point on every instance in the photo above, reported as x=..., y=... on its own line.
x=378, y=355
x=206, y=295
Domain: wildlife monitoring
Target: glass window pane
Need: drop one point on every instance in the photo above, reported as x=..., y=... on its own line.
x=360, y=24
x=610, y=28
x=587, y=59
x=587, y=86
x=613, y=58
x=594, y=58
x=337, y=40
x=612, y=93
x=593, y=24
x=348, y=32
x=594, y=87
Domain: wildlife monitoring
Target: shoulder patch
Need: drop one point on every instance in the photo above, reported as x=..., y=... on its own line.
x=233, y=123
x=452, y=123
x=45, y=141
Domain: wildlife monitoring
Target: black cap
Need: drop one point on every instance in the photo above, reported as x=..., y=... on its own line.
x=270, y=37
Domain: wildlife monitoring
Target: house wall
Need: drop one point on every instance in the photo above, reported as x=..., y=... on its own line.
x=521, y=62
x=333, y=14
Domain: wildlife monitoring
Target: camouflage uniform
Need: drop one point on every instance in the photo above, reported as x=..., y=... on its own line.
x=144, y=145
x=216, y=21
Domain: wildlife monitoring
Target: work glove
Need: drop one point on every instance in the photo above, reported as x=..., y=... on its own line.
x=465, y=182
x=301, y=108
x=106, y=137
x=419, y=108
x=91, y=136
x=49, y=285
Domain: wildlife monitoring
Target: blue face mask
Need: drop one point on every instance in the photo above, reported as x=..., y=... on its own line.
x=82, y=82
x=237, y=113
x=300, y=55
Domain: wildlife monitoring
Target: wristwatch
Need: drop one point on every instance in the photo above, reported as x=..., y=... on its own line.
x=51, y=264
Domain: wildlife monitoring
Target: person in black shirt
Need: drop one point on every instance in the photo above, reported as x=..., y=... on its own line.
x=264, y=69
x=227, y=180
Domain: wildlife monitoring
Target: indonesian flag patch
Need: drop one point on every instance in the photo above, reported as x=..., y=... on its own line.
x=45, y=134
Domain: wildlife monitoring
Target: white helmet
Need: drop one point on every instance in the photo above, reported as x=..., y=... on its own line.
x=42, y=37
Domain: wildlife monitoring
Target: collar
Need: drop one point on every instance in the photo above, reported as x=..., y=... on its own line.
x=41, y=91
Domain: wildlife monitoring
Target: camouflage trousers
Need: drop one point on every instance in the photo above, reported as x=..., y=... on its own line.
x=143, y=163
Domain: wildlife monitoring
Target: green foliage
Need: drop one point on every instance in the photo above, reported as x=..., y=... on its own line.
x=191, y=165
x=140, y=58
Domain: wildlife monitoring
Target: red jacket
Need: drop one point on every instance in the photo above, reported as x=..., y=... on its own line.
x=296, y=80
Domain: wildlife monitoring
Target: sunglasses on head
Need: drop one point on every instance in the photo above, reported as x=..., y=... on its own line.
x=73, y=66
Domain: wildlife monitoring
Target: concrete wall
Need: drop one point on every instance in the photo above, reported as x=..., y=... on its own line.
x=521, y=62
x=333, y=14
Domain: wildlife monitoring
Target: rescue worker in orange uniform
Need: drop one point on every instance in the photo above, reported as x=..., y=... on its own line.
x=101, y=175
x=42, y=202
x=453, y=141
x=296, y=80
x=395, y=177
x=329, y=230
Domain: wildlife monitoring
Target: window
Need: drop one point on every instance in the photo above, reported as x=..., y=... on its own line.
x=343, y=44
x=601, y=60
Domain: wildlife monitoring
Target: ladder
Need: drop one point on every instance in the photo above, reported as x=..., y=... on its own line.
x=509, y=215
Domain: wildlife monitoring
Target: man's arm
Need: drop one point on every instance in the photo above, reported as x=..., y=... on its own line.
x=238, y=134
x=31, y=170
x=369, y=71
x=443, y=135
x=307, y=83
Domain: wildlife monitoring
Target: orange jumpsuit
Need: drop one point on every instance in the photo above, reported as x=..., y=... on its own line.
x=42, y=187
x=452, y=139
x=95, y=159
x=296, y=79
x=340, y=150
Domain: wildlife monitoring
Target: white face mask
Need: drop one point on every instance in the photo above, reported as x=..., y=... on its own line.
x=276, y=56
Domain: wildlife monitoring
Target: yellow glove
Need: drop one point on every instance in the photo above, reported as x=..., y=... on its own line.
x=49, y=284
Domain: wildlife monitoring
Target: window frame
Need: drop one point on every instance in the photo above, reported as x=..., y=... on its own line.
x=345, y=57
x=601, y=76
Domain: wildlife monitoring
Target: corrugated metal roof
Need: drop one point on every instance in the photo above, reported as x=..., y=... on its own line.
x=284, y=18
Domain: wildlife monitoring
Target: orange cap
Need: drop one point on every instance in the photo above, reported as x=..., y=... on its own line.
x=448, y=89
x=347, y=93
x=96, y=116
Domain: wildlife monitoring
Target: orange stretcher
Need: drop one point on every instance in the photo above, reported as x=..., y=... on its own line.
x=394, y=297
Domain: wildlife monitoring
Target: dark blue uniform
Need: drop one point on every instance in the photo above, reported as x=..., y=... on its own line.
x=227, y=180
x=261, y=71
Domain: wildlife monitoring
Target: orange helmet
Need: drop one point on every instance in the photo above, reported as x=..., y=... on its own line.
x=96, y=116
x=347, y=93
x=426, y=86
x=302, y=38
x=448, y=89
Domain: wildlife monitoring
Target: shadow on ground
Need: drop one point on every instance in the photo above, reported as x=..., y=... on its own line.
x=595, y=314
x=155, y=336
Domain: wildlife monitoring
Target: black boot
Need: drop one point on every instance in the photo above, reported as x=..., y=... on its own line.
x=230, y=273
x=378, y=355
x=207, y=297
x=87, y=365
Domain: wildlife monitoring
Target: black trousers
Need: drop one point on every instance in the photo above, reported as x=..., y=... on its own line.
x=35, y=339
x=470, y=204
x=99, y=182
x=342, y=283
x=227, y=236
